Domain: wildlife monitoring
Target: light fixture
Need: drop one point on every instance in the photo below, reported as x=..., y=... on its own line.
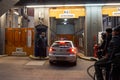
x=65, y=23
x=16, y=13
x=41, y=15
x=65, y=19
x=103, y=4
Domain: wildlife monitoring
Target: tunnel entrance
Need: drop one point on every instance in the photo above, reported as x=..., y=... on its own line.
x=68, y=23
x=65, y=29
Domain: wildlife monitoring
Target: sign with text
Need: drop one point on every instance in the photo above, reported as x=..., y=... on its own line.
x=67, y=12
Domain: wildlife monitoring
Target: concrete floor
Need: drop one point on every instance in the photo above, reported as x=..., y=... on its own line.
x=25, y=68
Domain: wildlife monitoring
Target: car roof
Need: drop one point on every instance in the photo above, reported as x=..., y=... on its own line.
x=64, y=41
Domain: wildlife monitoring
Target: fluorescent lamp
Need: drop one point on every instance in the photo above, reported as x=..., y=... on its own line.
x=52, y=5
x=16, y=13
x=65, y=19
x=104, y=4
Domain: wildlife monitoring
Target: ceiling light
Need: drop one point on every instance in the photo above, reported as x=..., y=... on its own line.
x=65, y=19
x=103, y=4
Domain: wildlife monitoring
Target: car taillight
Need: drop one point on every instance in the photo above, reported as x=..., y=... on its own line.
x=51, y=49
x=62, y=42
x=72, y=50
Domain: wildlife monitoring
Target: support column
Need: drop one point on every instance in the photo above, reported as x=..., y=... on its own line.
x=2, y=34
x=92, y=26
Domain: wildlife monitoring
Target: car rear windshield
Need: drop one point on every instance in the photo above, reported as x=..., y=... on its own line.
x=62, y=44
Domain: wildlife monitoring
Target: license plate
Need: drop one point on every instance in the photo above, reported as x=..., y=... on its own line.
x=61, y=58
x=61, y=50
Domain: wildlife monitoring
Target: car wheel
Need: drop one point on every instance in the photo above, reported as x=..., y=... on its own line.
x=74, y=63
x=51, y=62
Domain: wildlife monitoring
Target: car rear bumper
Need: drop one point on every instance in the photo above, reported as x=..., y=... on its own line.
x=71, y=58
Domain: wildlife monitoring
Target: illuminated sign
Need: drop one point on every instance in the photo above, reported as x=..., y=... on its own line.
x=67, y=12
x=67, y=16
x=116, y=13
x=111, y=11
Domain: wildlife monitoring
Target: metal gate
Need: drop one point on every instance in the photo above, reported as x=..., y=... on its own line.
x=110, y=21
x=111, y=17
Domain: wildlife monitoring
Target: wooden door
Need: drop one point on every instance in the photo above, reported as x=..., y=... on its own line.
x=18, y=38
x=9, y=40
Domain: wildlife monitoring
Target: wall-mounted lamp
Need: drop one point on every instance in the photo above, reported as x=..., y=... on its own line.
x=41, y=16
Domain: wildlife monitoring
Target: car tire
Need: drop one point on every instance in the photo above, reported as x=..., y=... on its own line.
x=74, y=63
x=51, y=62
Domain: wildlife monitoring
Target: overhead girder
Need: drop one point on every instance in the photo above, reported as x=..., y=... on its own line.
x=5, y=5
